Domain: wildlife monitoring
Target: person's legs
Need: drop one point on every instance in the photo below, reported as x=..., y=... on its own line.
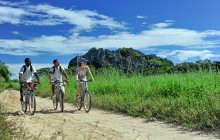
x=31, y=85
x=53, y=90
x=78, y=91
x=21, y=92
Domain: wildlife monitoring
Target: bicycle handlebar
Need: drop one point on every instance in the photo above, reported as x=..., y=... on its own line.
x=30, y=82
x=85, y=81
x=57, y=81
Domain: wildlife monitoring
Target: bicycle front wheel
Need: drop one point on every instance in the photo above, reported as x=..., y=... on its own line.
x=61, y=101
x=87, y=101
x=24, y=103
x=55, y=104
x=32, y=103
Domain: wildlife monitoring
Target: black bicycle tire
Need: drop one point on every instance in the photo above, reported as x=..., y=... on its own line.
x=90, y=101
x=23, y=105
x=61, y=101
x=54, y=102
x=79, y=102
x=26, y=101
x=34, y=100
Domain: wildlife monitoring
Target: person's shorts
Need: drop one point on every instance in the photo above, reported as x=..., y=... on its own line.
x=30, y=84
x=62, y=87
x=80, y=84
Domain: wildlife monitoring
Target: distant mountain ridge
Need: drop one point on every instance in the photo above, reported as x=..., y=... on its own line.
x=126, y=59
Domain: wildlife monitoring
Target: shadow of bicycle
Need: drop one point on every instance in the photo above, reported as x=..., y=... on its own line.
x=52, y=111
x=42, y=111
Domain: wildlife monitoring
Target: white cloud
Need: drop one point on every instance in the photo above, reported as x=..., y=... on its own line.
x=14, y=3
x=153, y=38
x=159, y=35
x=164, y=24
x=15, y=32
x=140, y=17
x=184, y=55
x=47, y=15
x=15, y=68
x=11, y=15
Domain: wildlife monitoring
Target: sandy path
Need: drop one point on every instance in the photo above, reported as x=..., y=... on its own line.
x=99, y=125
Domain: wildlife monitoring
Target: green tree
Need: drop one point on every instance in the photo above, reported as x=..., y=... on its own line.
x=4, y=72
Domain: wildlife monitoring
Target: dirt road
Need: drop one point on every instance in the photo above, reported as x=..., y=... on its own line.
x=99, y=125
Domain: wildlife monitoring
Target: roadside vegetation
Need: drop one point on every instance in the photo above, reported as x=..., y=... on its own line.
x=189, y=99
x=189, y=95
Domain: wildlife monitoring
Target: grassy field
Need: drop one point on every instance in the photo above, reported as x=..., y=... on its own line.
x=191, y=100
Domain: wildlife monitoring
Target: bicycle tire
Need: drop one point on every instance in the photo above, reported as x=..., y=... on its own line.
x=55, y=103
x=79, y=102
x=32, y=103
x=61, y=94
x=26, y=101
x=87, y=101
x=23, y=104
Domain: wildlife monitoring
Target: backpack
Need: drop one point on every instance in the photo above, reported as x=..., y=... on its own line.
x=25, y=68
x=54, y=69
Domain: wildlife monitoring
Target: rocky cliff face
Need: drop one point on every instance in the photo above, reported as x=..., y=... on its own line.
x=126, y=59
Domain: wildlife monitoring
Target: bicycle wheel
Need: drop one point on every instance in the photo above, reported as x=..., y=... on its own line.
x=79, y=102
x=32, y=103
x=24, y=104
x=55, y=104
x=87, y=101
x=56, y=100
x=61, y=100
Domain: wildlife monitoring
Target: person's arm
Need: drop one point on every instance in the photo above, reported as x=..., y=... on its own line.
x=77, y=78
x=65, y=74
x=89, y=71
x=20, y=75
x=38, y=78
x=77, y=75
x=35, y=74
x=51, y=75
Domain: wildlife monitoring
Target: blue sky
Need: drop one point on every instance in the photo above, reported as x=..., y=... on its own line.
x=181, y=31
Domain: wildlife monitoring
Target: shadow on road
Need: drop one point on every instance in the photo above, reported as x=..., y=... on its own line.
x=43, y=111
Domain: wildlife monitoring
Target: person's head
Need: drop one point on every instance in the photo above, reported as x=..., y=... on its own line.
x=27, y=61
x=56, y=63
x=83, y=62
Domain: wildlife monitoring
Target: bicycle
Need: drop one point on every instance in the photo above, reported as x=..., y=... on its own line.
x=59, y=95
x=29, y=98
x=84, y=97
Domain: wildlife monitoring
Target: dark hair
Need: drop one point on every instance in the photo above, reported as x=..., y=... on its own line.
x=27, y=59
x=55, y=60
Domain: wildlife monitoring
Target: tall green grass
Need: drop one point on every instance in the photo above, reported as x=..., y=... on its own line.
x=191, y=100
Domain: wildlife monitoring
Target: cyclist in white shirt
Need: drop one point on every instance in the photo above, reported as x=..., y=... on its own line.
x=25, y=76
x=56, y=73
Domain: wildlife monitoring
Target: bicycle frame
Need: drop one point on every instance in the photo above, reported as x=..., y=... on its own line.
x=59, y=92
x=30, y=100
x=84, y=87
x=84, y=94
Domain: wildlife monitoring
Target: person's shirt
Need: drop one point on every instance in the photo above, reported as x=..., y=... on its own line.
x=82, y=73
x=57, y=73
x=27, y=75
